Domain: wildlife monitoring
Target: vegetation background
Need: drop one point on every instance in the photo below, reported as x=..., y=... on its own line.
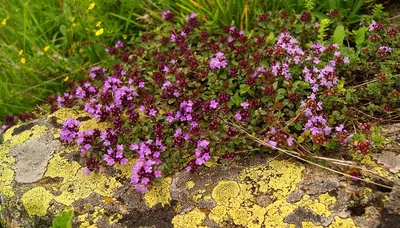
x=47, y=44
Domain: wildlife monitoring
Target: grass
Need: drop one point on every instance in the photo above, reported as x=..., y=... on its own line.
x=44, y=44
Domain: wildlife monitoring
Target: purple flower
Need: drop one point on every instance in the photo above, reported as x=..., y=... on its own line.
x=219, y=61
x=213, y=104
x=86, y=172
x=110, y=161
x=238, y=117
x=202, y=143
x=244, y=105
x=290, y=141
x=339, y=128
x=157, y=174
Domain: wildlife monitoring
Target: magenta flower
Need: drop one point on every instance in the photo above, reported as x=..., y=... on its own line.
x=238, y=117
x=213, y=104
x=244, y=105
x=219, y=61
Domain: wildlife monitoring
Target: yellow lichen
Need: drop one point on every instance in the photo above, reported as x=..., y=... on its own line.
x=196, y=198
x=382, y=172
x=36, y=201
x=190, y=185
x=114, y=218
x=367, y=160
x=342, y=223
x=126, y=170
x=63, y=114
x=207, y=197
x=159, y=193
x=75, y=185
x=189, y=220
x=6, y=173
x=309, y=225
x=236, y=201
x=224, y=191
x=320, y=206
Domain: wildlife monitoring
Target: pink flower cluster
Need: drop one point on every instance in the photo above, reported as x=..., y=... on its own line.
x=219, y=61
x=70, y=129
x=145, y=170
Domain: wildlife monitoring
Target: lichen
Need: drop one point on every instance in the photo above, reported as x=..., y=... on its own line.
x=191, y=219
x=382, y=172
x=236, y=201
x=190, y=185
x=75, y=185
x=36, y=201
x=319, y=206
x=63, y=114
x=114, y=218
x=159, y=193
x=6, y=173
x=342, y=223
x=224, y=191
x=309, y=225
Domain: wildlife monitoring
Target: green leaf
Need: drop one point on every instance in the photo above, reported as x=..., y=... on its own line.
x=300, y=139
x=63, y=30
x=356, y=6
x=270, y=37
x=236, y=99
x=63, y=220
x=244, y=88
x=360, y=36
x=339, y=35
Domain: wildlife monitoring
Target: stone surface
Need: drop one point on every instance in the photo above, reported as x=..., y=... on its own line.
x=40, y=177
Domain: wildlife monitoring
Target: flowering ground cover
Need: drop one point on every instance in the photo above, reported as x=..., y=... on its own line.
x=183, y=95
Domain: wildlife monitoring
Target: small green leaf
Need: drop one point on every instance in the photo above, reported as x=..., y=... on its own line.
x=300, y=139
x=339, y=35
x=63, y=220
x=63, y=30
x=244, y=88
x=360, y=36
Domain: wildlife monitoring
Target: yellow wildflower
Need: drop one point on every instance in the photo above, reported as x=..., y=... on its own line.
x=99, y=32
x=20, y=52
x=66, y=79
x=91, y=6
x=23, y=60
x=98, y=24
x=4, y=22
x=73, y=19
x=46, y=48
x=74, y=24
x=124, y=36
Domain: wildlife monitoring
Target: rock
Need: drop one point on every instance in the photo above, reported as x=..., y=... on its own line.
x=41, y=177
